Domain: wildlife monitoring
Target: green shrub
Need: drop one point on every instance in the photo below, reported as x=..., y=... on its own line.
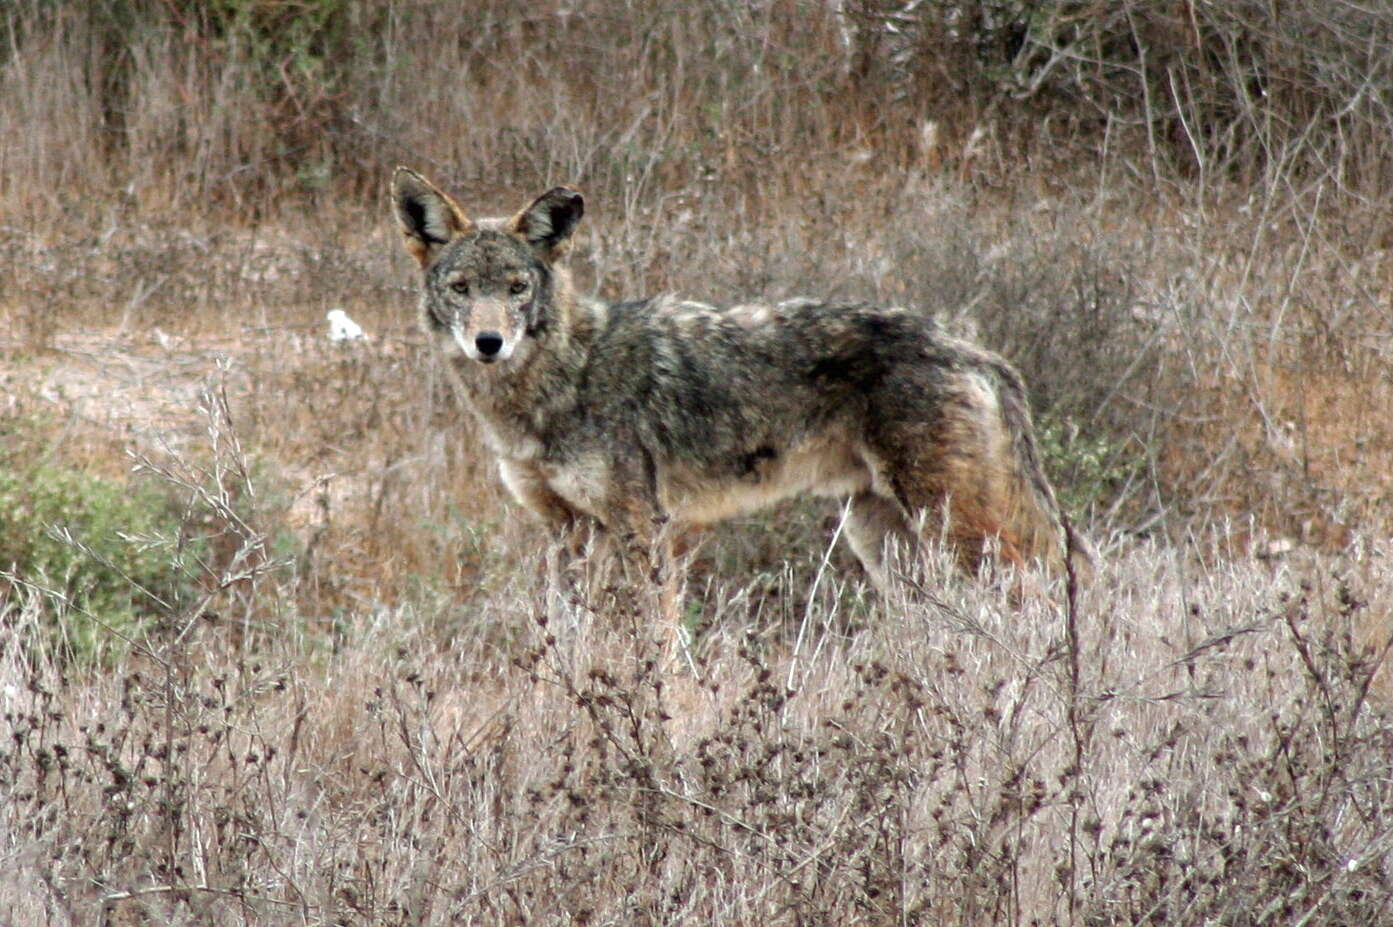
x=1088, y=470
x=100, y=554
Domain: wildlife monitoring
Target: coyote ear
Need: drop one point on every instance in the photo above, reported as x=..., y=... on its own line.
x=548, y=223
x=428, y=218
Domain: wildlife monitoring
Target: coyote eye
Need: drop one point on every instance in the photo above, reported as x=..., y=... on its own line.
x=518, y=287
x=461, y=287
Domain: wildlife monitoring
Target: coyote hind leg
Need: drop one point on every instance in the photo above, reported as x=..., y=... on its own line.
x=873, y=523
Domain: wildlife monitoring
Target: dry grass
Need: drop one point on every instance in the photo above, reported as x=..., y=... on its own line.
x=360, y=700
x=1213, y=746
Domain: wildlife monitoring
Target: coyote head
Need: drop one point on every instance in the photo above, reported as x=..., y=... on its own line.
x=489, y=285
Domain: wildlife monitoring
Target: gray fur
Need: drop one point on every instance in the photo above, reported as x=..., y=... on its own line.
x=636, y=413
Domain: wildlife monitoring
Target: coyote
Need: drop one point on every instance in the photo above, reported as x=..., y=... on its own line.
x=633, y=414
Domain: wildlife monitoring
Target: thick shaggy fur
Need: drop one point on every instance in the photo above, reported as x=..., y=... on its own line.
x=638, y=413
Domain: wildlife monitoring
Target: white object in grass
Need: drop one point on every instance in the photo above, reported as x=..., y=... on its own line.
x=342, y=328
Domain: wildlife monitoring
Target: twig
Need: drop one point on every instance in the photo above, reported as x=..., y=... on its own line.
x=812, y=593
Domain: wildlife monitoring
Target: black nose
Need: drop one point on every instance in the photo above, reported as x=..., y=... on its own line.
x=488, y=343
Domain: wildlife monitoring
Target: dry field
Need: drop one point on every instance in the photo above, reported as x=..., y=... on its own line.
x=275, y=648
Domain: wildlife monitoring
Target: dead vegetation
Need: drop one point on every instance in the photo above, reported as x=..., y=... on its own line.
x=353, y=696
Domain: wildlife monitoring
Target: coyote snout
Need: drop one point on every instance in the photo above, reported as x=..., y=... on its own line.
x=635, y=414
x=485, y=330
x=490, y=346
